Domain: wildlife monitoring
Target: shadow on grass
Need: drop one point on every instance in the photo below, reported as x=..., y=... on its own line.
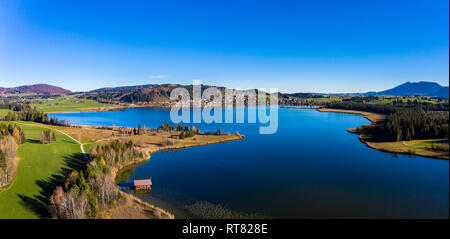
x=441, y=141
x=39, y=203
x=33, y=141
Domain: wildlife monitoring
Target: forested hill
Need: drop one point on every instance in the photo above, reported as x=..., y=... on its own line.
x=122, y=89
x=143, y=93
x=36, y=89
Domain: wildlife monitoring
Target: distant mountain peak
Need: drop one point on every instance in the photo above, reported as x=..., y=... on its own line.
x=36, y=89
x=422, y=88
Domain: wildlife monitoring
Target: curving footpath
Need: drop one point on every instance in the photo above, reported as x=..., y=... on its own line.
x=59, y=131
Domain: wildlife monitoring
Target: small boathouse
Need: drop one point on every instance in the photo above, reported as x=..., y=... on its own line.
x=142, y=185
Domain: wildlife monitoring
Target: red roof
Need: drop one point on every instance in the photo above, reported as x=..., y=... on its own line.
x=143, y=182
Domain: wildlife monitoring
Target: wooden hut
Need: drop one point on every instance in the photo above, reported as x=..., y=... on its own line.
x=143, y=185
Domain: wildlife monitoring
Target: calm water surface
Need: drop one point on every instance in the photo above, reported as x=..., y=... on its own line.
x=311, y=168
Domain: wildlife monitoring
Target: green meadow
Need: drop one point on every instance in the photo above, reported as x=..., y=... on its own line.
x=325, y=99
x=3, y=112
x=429, y=143
x=404, y=99
x=67, y=103
x=40, y=169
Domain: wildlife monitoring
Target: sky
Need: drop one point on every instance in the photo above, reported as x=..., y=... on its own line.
x=295, y=46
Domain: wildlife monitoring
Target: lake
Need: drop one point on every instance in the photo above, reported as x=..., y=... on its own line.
x=311, y=168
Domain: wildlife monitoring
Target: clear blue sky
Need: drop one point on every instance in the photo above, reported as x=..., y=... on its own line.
x=296, y=46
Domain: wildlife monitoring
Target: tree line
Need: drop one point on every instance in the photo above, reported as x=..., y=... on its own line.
x=10, y=137
x=31, y=114
x=186, y=131
x=385, y=108
x=86, y=193
x=14, y=106
x=408, y=124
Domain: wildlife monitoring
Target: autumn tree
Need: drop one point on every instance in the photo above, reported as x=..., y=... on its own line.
x=2, y=168
x=47, y=137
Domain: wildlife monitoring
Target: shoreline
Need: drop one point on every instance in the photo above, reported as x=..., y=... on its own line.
x=148, y=151
x=372, y=117
x=133, y=203
x=120, y=108
x=368, y=140
x=131, y=206
x=413, y=152
x=104, y=109
x=392, y=147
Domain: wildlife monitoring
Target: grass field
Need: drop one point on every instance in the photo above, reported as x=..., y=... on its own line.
x=40, y=168
x=390, y=99
x=429, y=143
x=325, y=99
x=67, y=104
x=3, y=112
x=414, y=147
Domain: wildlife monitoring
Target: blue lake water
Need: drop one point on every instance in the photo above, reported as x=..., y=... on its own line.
x=311, y=168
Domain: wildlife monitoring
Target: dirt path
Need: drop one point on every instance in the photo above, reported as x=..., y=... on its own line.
x=59, y=131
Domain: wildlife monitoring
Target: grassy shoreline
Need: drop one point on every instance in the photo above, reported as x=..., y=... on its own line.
x=401, y=147
x=372, y=117
x=102, y=108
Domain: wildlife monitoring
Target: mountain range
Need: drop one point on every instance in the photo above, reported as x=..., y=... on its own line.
x=421, y=88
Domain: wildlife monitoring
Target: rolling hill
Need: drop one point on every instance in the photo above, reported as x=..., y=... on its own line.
x=122, y=89
x=36, y=89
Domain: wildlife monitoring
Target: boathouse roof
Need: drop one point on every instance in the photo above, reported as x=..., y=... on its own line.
x=143, y=182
